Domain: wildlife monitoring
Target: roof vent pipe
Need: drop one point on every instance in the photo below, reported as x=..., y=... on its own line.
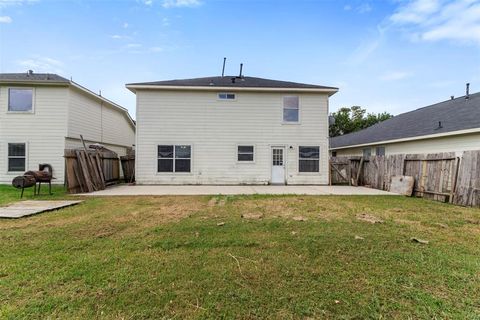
x=30, y=72
x=241, y=68
x=223, y=69
x=467, y=93
x=452, y=97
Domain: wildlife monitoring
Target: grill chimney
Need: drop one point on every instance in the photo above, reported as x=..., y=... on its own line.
x=467, y=91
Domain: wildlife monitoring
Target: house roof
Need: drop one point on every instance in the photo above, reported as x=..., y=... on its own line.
x=453, y=115
x=232, y=82
x=55, y=79
x=32, y=77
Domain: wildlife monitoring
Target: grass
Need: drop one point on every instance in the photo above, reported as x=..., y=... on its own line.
x=167, y=257
x=8, y=194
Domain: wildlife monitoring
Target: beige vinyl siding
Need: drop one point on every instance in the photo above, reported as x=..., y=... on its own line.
x=454, y=143
x=98, y=121
x=215, y=127
x=43, y=131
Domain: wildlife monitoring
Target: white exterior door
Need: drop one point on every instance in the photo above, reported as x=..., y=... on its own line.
x=278, y=165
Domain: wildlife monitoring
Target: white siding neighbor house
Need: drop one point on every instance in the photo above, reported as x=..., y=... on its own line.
x=449, y=126
x=42, y=114
x=231, y=130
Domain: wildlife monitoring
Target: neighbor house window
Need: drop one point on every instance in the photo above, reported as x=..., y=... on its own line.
x=290, y=109
x=245, y=153
x=20, y=100
x=367, y=152
x=174, y=158
x=226, y=96
x=308, y=159
x=16, y=157
x=380, y=151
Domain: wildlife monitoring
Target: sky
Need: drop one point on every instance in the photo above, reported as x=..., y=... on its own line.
x=389, y=55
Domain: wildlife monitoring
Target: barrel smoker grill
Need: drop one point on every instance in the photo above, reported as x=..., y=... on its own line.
x=31, y=178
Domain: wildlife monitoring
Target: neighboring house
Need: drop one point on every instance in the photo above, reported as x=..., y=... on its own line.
x=449, y=126
x=42, y=114
x=231, y=130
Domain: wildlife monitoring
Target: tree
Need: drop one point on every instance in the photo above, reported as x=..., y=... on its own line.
x=347, y=120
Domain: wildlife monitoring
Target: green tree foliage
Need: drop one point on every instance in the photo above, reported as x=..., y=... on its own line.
x=353, y=119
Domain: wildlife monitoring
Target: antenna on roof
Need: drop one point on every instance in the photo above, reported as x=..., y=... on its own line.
x=467, y=91
x=223, y=69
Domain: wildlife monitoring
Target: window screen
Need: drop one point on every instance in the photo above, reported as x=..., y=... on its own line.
x=309, y=159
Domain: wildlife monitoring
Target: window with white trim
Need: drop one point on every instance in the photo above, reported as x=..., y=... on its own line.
x=291, y=112
x=174, y=158
x=20, y=99
x=226, y=96
x=367, y=152
x=380, y=151
x=16, y=157
x=308, y=159
x=245, y=153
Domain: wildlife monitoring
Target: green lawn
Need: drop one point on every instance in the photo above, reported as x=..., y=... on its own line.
x=9, y=194
x=167, y=257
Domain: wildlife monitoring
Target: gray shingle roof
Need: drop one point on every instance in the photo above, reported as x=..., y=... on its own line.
x=454, y=115
x=226, y=81
x=34, y=77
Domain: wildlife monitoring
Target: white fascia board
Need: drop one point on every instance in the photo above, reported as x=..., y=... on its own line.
x=430, y=136
x=134, y=87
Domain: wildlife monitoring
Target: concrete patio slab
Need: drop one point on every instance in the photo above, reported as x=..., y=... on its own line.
x=29, y=207
x=164, y=190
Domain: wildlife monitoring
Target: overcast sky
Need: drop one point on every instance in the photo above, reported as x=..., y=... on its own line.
x=389, y=55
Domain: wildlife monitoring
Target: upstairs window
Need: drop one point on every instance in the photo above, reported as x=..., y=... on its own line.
x=290, y=109
x=16, y=157
x=174, y=158
x=367, y=152
x=226, y=96
x=20, y=100
x=309, y=159
x=380, y=151
x=245, y=153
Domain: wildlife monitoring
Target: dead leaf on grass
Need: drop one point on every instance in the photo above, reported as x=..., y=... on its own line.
x=472, y=221
x=359, y=238
x=299, y=218
x=441, y=225
x=253, y=216
x=369, y=218
x=221, y=224
x=417, y=240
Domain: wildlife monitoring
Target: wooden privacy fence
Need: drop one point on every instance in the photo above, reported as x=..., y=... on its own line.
x=440, y=176
x=91, y=170
x=128, y=167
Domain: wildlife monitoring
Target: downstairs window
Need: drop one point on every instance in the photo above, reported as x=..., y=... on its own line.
x=174, y=158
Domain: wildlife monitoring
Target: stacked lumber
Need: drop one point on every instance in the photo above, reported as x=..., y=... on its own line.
x=85, y=170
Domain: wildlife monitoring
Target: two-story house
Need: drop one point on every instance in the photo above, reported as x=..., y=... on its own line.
x=231, y=130
x=43, y=114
